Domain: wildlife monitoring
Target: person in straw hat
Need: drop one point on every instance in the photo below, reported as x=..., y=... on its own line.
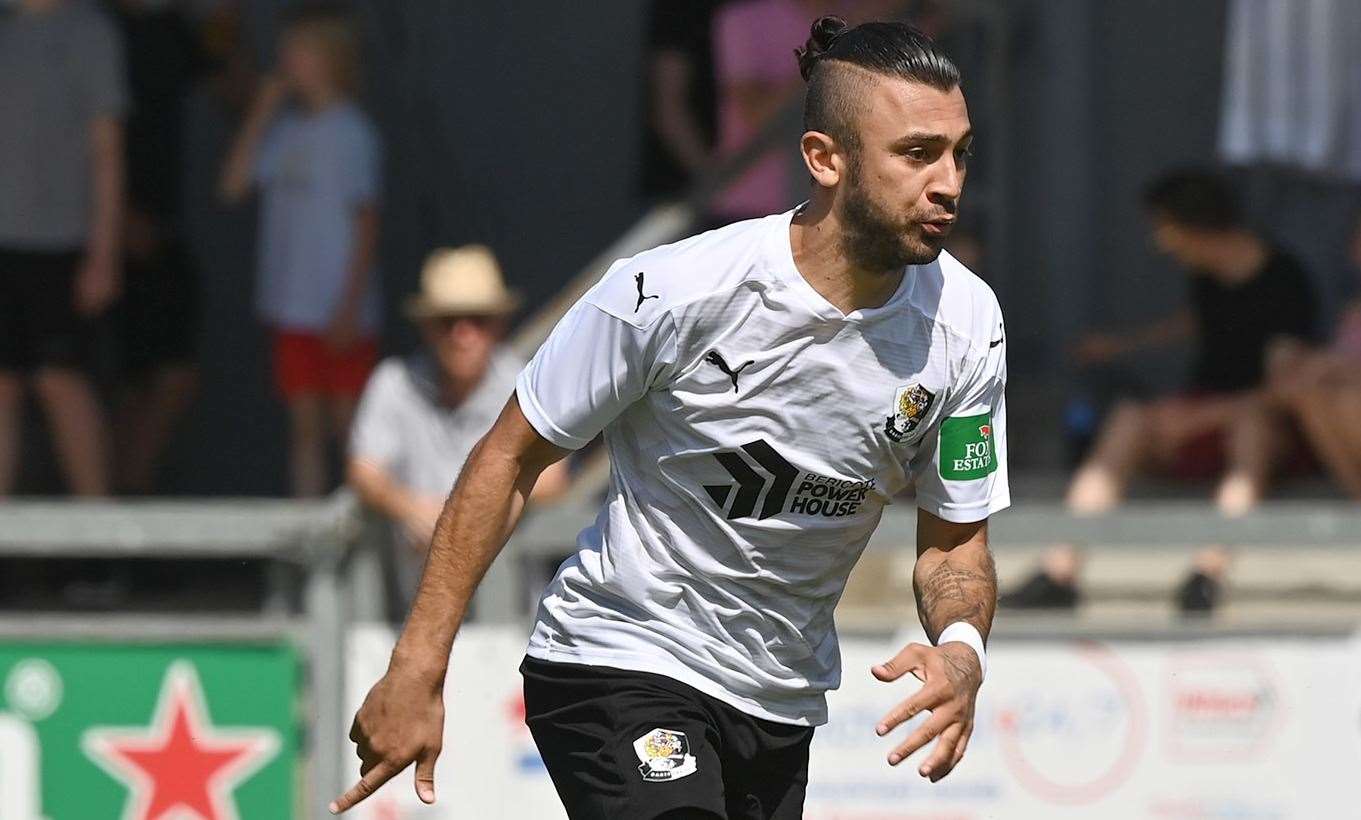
x=421, y=414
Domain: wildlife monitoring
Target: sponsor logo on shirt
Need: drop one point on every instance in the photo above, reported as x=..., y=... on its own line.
x=664, y=755
x=763, y=475
x=911, y=403
x=966, y=447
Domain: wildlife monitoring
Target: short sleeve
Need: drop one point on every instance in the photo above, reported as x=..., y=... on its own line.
x=374, y=435
x=961, y=465
x=363, y=165
x=104, y=75
x=591, y=368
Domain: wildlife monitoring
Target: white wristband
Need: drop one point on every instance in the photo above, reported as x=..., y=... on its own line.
x=966, y=633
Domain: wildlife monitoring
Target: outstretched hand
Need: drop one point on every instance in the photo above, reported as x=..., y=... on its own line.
x=400, y=723
x=950, y=674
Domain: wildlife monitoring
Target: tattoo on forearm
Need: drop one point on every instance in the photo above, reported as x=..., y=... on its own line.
x=952, y=592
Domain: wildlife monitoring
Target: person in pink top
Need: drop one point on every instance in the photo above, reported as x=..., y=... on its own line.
x=752, y=43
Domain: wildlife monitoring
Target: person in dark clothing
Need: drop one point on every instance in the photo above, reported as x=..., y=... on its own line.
x=157, y=318
x=678, y=138
x=1246, y=295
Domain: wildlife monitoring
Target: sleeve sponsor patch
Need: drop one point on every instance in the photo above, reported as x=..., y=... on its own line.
x=966, y=447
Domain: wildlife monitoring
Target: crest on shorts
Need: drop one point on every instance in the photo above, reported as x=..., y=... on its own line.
x=664, y=755
x=911, y=403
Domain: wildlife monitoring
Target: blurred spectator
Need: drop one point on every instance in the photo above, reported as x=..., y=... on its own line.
x=158, y=315
x=1245, y=294
x=679, y=140
x=422, y=414
x=1291, y=95
x=1319, y=389
x=62, y=100
x=757, y=75
x=316, y=158
x=1053, y=586
x=754, y=43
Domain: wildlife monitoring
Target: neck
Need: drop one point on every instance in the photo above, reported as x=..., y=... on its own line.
x=816, y=238
x=1241, y=257
x=453, y=392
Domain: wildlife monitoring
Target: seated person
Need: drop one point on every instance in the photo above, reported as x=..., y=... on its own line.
x=421, y=415
x=1245, y=294
x=1320, y=389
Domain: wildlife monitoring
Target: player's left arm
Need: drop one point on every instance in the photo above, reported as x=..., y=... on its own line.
x=955, y=583
x=961, y=477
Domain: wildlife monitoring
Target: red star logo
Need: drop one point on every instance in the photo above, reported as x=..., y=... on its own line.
x=180, y=767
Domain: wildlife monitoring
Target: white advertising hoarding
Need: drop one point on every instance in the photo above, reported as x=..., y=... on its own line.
x=1249, y=728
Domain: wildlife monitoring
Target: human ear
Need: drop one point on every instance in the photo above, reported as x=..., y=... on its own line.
x=822, y=157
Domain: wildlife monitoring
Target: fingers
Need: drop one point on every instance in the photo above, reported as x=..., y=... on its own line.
x=910, y=659
x=939, y=763
x=367, y=785
x=928, y=697
x=937, y=723
x=425, y=776
x=960, y=747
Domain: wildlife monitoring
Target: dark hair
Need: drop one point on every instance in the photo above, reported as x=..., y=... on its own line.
x=889, y=49
x=1194, y=198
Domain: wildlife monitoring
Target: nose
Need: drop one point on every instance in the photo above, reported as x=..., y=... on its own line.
x=947, y=184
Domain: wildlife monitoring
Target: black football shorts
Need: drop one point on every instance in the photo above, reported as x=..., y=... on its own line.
x=623, y=745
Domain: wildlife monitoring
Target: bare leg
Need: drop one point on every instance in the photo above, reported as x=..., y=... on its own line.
x=147, y=418
x=11, y=416
x=1323, y=419
x=78, y=427
x=307, y=445
x=1100, y=481
x=1253, y=447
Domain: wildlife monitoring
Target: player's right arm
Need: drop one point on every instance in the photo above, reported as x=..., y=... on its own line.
x=607, y=351
x=402, y=720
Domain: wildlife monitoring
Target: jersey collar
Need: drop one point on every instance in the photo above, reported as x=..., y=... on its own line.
x=781, y=259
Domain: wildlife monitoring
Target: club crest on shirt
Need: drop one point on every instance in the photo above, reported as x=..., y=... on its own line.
x=911, y=403
x=664, y=755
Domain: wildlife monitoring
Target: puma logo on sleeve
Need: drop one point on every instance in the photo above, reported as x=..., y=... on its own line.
x=638, y=278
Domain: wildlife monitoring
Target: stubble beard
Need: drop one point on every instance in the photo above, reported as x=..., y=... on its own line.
x=874, y=240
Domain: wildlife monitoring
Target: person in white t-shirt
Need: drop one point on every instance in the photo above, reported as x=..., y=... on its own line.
x=764, y=390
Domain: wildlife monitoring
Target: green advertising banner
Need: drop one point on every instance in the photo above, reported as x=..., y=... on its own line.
x=90, y=731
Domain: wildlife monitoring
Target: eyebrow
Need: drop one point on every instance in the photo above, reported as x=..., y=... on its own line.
x=928, y=137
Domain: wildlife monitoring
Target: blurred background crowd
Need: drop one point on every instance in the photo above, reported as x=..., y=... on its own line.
x=252, y=247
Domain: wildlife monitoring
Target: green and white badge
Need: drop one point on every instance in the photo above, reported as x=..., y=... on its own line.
x=966, y=448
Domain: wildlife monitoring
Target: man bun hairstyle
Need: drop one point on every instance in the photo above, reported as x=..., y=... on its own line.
x=887, y=49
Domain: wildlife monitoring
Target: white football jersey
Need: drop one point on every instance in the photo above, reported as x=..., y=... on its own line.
x=755, y=434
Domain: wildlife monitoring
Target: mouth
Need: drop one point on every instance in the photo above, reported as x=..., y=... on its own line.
x=937, y=227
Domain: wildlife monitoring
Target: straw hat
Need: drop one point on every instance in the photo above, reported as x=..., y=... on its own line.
x=460, y=282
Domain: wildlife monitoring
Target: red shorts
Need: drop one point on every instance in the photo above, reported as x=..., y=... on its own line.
x=305, y=364
x=1204, y=456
